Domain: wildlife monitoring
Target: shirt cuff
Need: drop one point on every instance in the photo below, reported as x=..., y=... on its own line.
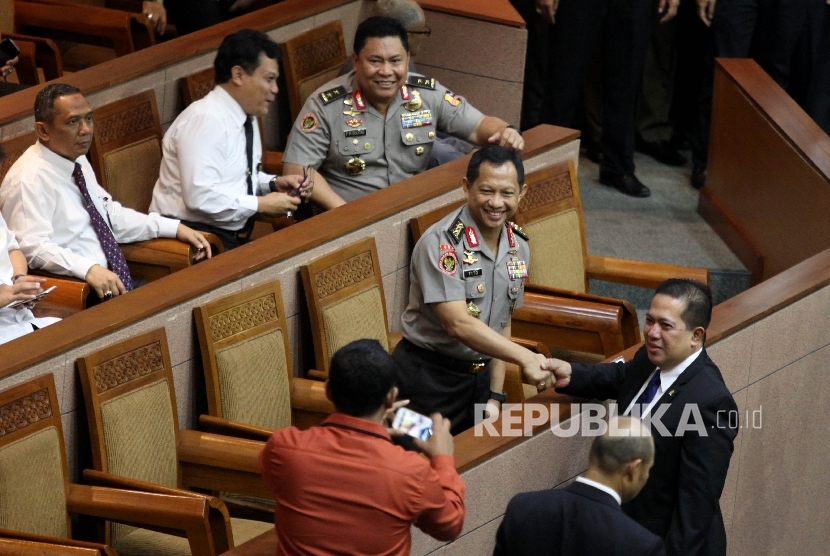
x=168, y=227
x=81, y=267
x=250, y=203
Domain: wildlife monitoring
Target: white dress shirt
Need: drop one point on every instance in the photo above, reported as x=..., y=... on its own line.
x=602, y=487
x=43, y=206
x=204, y=165
x=667, y=378
x=14, y=322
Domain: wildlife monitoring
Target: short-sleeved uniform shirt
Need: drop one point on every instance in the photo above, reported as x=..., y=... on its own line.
x=358, y=150
x=452, y=262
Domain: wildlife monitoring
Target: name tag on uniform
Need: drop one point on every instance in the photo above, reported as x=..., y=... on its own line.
x=355, y=132
x=416, y=119
x=516, y=269
x=473, y=272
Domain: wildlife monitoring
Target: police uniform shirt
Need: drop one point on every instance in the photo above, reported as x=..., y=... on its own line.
x=452, y=262
x=358, y=150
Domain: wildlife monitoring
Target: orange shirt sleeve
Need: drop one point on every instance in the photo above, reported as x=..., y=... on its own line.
x=442, y=503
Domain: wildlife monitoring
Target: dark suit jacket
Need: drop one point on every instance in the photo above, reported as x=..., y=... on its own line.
x=681, y=500
x=574, y=521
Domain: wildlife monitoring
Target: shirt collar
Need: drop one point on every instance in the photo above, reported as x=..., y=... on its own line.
x=224, y=98
x=359, y=424
x=601, y=487
x=63, y=165
x=667, y=377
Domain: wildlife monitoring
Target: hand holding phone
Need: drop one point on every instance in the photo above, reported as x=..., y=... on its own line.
x=8, y=51
x=30, y=302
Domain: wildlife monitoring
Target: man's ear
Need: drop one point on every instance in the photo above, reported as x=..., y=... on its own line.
x=698, y=334
x=42, y=131
x=236, y=75
x=354, y=59
x=522, y=190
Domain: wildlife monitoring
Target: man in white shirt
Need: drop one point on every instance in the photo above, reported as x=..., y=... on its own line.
x=63, y=220
x=584, y=518
x=208, y=178
x=16, y=286
x=680, y=392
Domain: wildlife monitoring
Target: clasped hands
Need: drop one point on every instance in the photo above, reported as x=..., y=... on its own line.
x=547, y=373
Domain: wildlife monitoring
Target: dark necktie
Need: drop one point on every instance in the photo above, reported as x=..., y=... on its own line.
x=249, y=151
x=115, y=258
x=648, y=394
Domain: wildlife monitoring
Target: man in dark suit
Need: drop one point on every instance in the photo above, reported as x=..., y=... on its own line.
x=585, y=518
x=680, y=393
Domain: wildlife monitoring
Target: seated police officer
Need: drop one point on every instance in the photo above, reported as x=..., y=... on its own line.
x=376, y=125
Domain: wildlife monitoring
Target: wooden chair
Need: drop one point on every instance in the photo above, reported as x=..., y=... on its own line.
x=36, y=498
x=47, y=57
x=247, y=363
x=136, y=440
x=126, y=156
x=311, y=60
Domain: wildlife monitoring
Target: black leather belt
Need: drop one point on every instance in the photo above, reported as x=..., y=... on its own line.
x=441, y=360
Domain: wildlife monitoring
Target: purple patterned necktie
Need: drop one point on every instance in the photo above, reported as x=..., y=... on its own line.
x=115, y=258
x=648, y=394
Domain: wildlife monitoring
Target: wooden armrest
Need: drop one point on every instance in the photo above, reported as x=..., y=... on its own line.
x=143, y=31
x=69, y=297
x=314, y=374
x=393, y=338
x=184, y=516
x=111, y=480
x=223, y=463
x=532, y=345
x=82, y=23
x=155, y=258
x=639, y=273
x=217, y=425
x=46, y=52
x=310, y=395
x=38, y=545
x=272, y=162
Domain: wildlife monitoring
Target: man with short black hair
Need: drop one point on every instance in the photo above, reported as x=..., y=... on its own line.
x=209, y=175
x=64, y=221
x=584, y=518
x=344, y=487
x=672, y=384
x=376, y=125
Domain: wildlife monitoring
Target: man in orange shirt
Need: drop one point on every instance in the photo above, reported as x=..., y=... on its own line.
x=344, y=487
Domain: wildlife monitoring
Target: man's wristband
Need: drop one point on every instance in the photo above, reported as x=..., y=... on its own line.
x=511, y=126
x=16, y=276
x=501, y=398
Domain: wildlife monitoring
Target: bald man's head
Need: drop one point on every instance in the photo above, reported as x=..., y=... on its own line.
x=624, y=455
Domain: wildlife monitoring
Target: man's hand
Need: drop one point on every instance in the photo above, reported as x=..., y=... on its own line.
x=561, y=371
x=277, y=204
x=547, y=10
x=508, y=137
x=106, y=284
x=293, y=185
x=25, y=288
x=441, y=441
x=706, y=9
x=194, y=238
x=156, y=13
x=389, y=417
x=668, y=8
x=240, y=5
x=535, y=372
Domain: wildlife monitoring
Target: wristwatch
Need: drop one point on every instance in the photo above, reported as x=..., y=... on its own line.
x=501, y=398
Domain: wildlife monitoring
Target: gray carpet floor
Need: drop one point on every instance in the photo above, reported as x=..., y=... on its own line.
x=663, y=228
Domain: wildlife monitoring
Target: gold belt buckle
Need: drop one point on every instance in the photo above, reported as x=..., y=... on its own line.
x=476, y=368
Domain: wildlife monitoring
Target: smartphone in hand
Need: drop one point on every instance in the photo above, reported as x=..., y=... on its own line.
x=30, y=302
x=412, y=423
x=8, y=50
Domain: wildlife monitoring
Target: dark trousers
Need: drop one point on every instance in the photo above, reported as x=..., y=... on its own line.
x=623, y=28
x=432, y=388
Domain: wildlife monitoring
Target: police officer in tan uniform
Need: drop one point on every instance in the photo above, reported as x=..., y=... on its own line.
x=375, y=126
x=467, y=275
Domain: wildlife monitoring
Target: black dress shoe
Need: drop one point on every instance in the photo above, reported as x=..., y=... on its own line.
x=661, y=151
x=625, y=183
x=698, y=177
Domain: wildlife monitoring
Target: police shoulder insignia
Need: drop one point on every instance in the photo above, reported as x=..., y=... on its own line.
x=448, y=262
x=332, y=94
x=519, y=231
x=421, y=81
x=309, y=122
x=456, y=229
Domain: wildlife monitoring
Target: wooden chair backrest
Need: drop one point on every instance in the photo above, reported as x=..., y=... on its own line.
x=551, y=211
x=131, y=409
x=197, y=85
x=310, y=60
x=33, y=472
x=420, y=224
x=126, y=149
x=47, y=54
x=246, y=358
x=26, y=67
x=13, y=149
x=344, y=293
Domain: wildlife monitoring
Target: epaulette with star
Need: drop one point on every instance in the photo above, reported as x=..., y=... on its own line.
x=518, y=229
x=456, y=230
x=333, y=94
x=421, y=81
